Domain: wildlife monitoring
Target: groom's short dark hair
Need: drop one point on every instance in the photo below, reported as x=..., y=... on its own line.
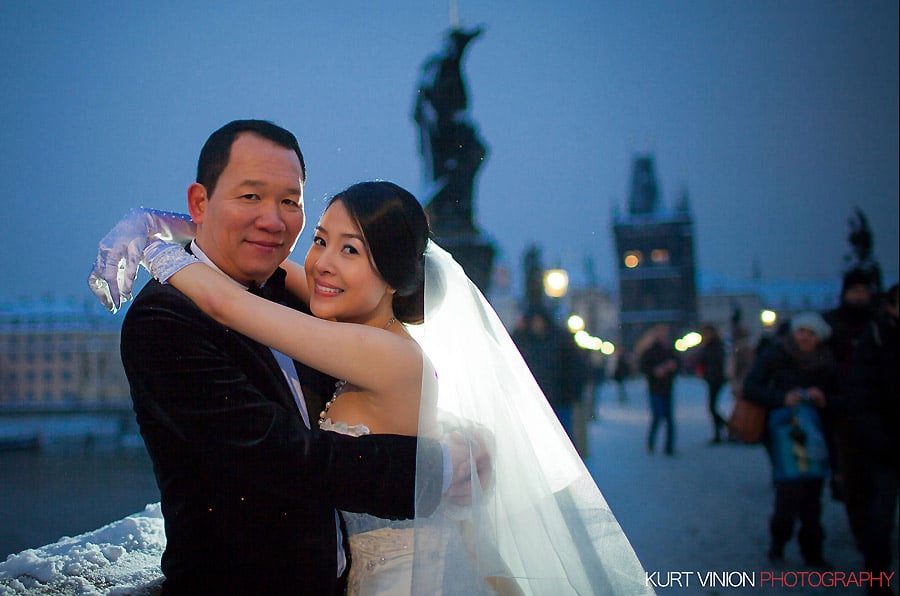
x=217, y=150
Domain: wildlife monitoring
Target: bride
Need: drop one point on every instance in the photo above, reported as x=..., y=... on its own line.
x=419, y=351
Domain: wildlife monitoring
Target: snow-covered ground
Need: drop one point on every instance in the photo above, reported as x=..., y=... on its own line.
x=703, y=511
x=119, y=559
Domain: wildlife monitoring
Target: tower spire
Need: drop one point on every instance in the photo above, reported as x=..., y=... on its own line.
x=644, y=198
x=454, y=14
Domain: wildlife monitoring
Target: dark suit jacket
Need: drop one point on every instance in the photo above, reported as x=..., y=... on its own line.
x=248, y=492
x=652, y=357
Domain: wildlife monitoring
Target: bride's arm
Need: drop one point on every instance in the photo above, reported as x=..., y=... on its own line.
x=365, y=356
x=295, y=282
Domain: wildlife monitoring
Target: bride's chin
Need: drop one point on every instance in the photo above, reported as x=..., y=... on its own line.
x=323, y=313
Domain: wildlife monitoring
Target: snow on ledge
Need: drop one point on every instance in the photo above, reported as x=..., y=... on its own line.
x=119, y=559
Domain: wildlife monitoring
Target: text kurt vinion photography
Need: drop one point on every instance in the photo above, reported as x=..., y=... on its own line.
x=768, y=579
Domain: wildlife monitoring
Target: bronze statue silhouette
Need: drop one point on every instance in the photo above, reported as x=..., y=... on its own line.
x=861, y=255
x=534, y=280
x=448, y=139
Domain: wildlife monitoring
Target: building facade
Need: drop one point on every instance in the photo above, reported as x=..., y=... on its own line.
x=56, y=355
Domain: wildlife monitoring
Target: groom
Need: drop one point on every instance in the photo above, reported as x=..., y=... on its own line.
x=248, y=490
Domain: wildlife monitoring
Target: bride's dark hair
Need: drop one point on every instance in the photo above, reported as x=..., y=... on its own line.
x=396, y=232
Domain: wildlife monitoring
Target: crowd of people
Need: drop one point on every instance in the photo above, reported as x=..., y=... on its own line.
x=827, y=383
x=829, y=388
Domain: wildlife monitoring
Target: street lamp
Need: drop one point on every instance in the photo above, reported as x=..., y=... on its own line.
x=575, y=323
x=556, y=282
x=689, y=341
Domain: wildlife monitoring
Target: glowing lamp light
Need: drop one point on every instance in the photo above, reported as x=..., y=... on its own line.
x=575, y=323
x=585, y=340
x=607, y=348
x=556, y=282
x=632, y=259
x=690, y=340
x=768, y=317
x=581, y=338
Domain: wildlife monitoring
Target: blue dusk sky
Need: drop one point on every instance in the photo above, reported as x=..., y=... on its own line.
x=778, y=117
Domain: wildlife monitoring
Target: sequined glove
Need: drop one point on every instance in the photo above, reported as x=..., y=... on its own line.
x=164, y=259
x=121, y=250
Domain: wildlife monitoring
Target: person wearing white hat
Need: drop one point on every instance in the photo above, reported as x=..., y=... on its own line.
x=812, y=321
x=796, y=379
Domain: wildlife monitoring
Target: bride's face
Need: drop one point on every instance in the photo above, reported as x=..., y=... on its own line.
x=343, y=283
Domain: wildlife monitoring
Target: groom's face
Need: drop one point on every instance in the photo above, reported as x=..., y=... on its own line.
x=251, y=221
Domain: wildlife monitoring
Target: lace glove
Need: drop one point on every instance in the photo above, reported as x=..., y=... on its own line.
x=121, y=250
x=163, y=259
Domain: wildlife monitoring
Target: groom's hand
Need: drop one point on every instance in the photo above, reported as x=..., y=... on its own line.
x=472, y=465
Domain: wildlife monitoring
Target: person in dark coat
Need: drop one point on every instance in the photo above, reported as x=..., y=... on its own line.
x=558, y=366
x=848, y=323
x=659, y=363
x=710, y=366
x=597, y=368
x=852, y=316
x=621, y=373
x=795, y=378
x=874, y=401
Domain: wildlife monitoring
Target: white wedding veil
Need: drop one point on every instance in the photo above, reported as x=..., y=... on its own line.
x=541, y=526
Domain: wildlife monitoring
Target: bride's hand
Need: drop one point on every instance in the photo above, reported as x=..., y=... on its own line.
x=121, y=250
x=467, y=451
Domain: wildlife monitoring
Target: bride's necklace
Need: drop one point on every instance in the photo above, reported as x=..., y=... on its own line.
x=339, y=386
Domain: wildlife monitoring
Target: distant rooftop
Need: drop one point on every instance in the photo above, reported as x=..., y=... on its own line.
x=52, y=312
x=792, y=294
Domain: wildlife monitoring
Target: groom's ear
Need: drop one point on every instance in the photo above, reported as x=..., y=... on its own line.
x=197, y=200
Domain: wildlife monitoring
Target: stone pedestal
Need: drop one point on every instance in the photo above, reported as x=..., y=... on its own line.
x=474, y=252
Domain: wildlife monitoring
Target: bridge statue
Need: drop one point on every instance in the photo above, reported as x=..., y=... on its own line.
x=453, y=154
x=861, y=256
